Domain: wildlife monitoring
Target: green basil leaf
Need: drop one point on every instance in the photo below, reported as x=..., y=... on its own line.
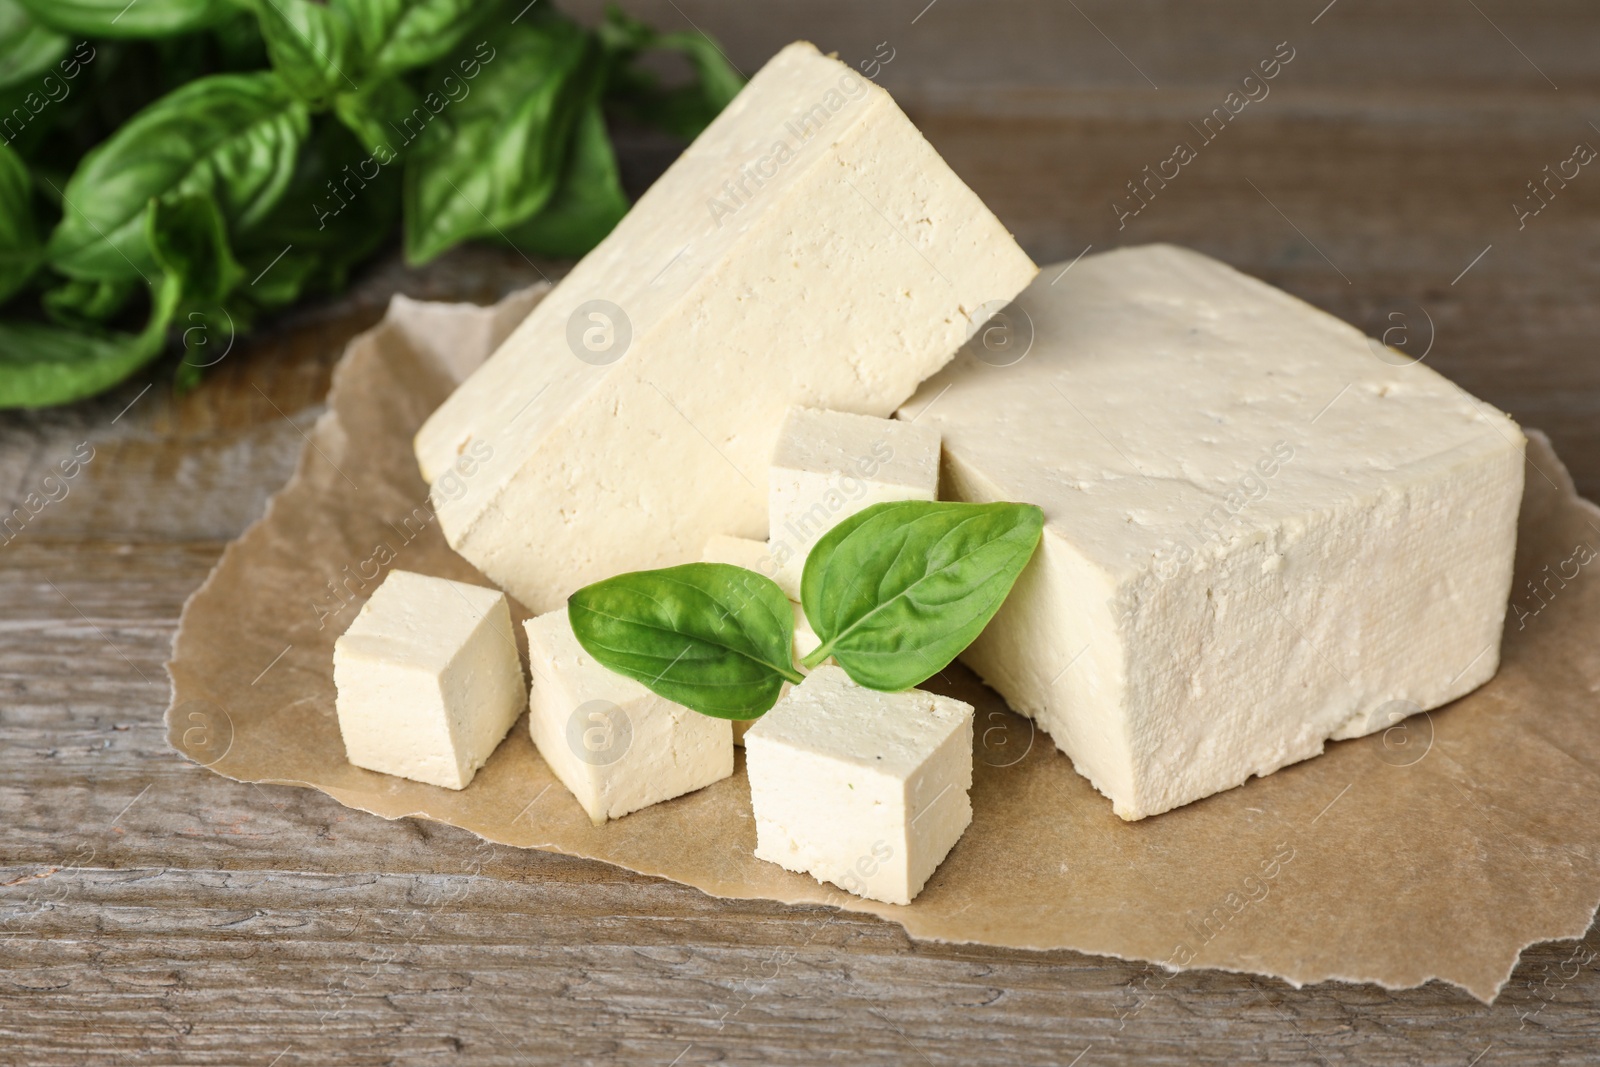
x=235, y=136
x=398, y=35
x=386, y=115
x=898, y=590
x=42, y=365
x=312, y=46
x=120, y=19
x=341, y=206
x=492, y=158
x=190, y=243
x=81, y=303
x=587, y=204
x=710, y=636
x=28, y=50
x=19, y=238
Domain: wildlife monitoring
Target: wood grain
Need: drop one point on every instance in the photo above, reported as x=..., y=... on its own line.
x=156, y=913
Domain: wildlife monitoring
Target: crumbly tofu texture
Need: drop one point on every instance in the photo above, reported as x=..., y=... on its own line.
x=1262, y=530
x=837, y=272
x=829, y=465
x=617, y=746
x=863, y=789
x=428, y=678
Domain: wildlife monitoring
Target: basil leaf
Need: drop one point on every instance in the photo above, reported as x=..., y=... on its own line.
x=709, y=636
x=27, y=50
x=492, y=157
x=378, y=116
x=77, y=302
x=118, y=18
x=397, y=35
x=314, y=236
x=587, y=204
x=898, y=590
x=235, y=136
x=42, y=365
x=190, y=242
x=311, y=45
x=19, y=237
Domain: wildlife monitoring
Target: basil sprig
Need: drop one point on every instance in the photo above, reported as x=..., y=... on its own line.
x=895, y=593
x=320, y=131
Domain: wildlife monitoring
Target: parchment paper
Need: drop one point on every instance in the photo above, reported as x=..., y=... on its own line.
x=1437, y=850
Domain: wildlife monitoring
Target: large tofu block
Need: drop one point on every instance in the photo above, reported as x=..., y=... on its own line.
x=1262, y=529
x=809, y=248
x=617, y=746
x=863, y=789
x=428, y=679
x=829, y=465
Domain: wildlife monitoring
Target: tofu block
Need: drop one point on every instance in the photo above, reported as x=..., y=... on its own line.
x=863, y=789
x=1262, y=529
x=809, y=247
x=617, y=746
x=429, y=680
x=827, y=466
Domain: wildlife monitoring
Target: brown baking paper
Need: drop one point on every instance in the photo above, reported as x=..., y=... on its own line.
x=1439, y=849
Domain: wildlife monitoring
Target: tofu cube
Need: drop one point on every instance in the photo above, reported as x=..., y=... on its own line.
x=810, y=247
x=863, y=789
x=617, y=746
x=1263, y=530
x=827, y=466
x=428, y=679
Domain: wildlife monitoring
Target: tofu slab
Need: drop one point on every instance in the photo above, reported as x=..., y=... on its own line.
x=808, y=248
x=1263, y=530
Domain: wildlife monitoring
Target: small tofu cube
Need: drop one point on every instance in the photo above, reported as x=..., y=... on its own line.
x=863, y=789
x=428, y=679
x=827, y=466
x=617, y=746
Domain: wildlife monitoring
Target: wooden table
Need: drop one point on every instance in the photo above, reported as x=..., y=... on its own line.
x=156, y=913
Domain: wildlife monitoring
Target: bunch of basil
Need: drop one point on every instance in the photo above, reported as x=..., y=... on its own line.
x=895, y=592
x=168, y=162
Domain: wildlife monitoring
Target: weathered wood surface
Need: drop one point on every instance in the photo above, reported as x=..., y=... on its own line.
x=153, y=912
